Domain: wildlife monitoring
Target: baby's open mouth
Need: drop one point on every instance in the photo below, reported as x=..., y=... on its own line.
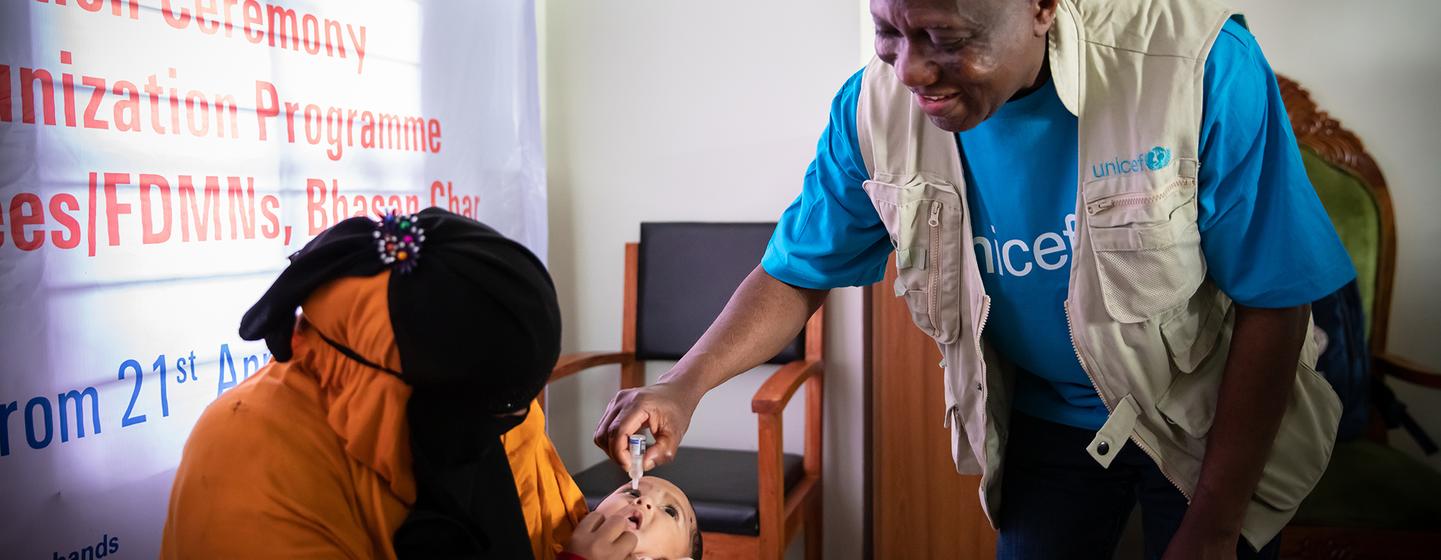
x=635, y=519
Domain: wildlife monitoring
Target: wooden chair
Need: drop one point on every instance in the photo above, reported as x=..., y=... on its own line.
x=1374, y=501
x=749, y=504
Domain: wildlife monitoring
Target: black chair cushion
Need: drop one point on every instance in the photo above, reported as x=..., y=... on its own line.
x=722, y=485
x=687, y=273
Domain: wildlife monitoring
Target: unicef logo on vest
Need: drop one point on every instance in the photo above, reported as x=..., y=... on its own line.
x=1155, y=160
x=1158, y=158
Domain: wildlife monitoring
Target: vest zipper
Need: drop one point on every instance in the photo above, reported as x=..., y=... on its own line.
x=981, y=328
x=1155, y=458
x=1128, y=200
x=980, y=352
x=934, y=277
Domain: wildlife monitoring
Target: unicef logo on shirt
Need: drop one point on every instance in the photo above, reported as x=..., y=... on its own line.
x=1154, y=160
x=1158, y=158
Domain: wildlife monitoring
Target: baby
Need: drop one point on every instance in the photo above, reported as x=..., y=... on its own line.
x=658, y=515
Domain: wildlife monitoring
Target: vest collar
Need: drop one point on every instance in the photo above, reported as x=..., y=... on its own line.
x=1064, y=48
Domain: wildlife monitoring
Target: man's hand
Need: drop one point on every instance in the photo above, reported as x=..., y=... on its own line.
x=1191, y=543
x=762, y=317
x=1260, y=372
x=599, y=538
x=665, y=408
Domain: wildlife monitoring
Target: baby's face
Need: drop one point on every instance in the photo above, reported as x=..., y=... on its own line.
x=659, y=514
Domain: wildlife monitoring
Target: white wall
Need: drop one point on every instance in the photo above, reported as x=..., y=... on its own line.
x=1375, y=67
x=662, y=110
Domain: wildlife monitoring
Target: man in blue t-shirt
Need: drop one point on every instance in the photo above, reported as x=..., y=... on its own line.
x=1267, y=243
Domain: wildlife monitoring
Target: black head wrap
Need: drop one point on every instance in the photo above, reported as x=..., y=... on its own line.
x=477, y=327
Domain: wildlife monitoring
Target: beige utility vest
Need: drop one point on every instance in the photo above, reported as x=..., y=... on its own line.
x=1149, y=327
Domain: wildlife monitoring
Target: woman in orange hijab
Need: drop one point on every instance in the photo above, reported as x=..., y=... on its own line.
x=397, y=418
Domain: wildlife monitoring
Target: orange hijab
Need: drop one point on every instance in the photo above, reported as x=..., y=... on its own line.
x=312, y=457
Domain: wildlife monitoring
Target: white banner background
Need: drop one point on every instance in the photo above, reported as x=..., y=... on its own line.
x=121, y=304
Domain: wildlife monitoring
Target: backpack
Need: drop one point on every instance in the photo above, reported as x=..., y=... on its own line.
x=1345, y=362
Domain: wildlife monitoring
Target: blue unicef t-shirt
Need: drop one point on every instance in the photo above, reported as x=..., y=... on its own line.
x=1023, y=222
x=1267, y=240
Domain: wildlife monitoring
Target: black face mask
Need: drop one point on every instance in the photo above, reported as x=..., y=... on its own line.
x=461, y=508
x=477, y=326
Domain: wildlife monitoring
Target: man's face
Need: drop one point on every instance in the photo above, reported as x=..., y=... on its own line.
x=962, y=59
x=660, y=515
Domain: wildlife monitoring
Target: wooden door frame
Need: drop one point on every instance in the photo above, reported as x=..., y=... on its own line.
x=942, y=505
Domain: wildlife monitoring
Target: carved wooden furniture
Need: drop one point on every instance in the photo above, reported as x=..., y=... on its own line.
x=1374, y=501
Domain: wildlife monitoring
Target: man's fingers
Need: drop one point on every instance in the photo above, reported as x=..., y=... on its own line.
x=660, y=453
x=663, y=450
x=625, y=424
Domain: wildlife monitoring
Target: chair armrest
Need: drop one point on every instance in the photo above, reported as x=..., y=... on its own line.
x=776, y=392
x=576, y=362
x=1406, y=370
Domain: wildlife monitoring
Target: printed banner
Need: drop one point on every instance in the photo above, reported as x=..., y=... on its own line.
x=159, y=159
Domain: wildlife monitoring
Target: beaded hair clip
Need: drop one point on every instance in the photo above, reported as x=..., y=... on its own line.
x=398, y=239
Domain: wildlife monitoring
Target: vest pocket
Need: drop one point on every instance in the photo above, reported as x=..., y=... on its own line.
x=1189, y=403
x=961, y=453
x=1148, y=250
x=1191, y=333
x=1303, y=445
x=923, y=219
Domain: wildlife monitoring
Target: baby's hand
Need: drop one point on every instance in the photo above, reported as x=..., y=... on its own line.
x=598, y=538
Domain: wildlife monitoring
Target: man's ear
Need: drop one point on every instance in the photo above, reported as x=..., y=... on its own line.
x=1044, y=16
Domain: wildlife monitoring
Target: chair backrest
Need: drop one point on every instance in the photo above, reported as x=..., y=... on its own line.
x=687, y=272
x=1351, y=187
